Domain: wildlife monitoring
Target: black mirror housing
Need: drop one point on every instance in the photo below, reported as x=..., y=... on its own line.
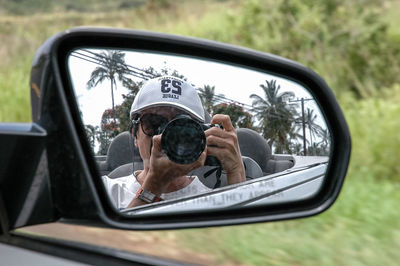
x=71, y=187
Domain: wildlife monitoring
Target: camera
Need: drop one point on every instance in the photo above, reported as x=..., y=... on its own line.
x=183, y=140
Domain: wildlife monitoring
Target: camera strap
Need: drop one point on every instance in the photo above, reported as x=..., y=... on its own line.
x=151, y=144
x=131, y=146
x=218, y=173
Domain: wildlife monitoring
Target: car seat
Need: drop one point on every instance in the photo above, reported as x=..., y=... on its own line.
x=209, y=175
x=119, y=153
x=253, y=145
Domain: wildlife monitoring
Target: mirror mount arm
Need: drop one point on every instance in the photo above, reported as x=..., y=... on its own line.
x=24, y=185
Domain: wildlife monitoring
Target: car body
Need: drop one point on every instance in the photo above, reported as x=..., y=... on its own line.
x=60, y=178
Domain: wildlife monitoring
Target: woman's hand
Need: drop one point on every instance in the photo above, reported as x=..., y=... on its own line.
x=163, y=171
x=223, y=144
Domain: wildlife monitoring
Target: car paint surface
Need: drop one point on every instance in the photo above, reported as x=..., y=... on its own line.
x=297, y=183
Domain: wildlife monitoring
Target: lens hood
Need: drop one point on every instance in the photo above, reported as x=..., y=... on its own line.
x=183, y=140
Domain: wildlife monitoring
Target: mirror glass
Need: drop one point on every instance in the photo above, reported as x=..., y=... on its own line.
x=281, y=132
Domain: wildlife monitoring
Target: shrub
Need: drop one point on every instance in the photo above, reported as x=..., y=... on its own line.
x=375, y=130
x=346, y=42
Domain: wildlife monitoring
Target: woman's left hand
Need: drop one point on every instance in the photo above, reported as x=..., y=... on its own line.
x=223, y=144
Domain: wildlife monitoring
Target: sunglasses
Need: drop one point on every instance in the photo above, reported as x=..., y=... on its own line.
x=153, y=124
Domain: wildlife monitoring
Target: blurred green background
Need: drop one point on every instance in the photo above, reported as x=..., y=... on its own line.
x=354, y=45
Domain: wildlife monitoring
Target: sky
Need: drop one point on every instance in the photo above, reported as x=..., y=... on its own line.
x=234, y=82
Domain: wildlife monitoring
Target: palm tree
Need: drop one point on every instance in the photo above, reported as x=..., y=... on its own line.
x=111, y=67
x=239, y=117
x=315, y=149
x=275, y=116
x=91, y=132
x=296, y=148
x=208, y=97
x=313, y=127
x=325, y=142
x=293, y=135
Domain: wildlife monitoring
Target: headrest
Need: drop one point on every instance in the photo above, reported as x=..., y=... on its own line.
x=120, y=151
x=253, y=145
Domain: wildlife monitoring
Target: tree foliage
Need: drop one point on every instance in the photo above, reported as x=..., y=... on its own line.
x=239, y=117
x=112, y=67
x=347, y=42
x=208, y=97
x=275, y=116
x=313, y=128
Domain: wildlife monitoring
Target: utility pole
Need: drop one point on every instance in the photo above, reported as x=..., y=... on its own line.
x=302, y=100
x=304, y=126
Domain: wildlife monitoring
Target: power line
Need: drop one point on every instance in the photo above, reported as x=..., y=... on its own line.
x=88, y=60
x=98, y=62
x=145, y=75
x=95, y=60
x=150, y=75
x=128, y=70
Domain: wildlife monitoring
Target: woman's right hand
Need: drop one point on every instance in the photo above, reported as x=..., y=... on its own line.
x=163, y=171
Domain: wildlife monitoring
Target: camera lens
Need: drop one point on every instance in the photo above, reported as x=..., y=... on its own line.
x=183, y=140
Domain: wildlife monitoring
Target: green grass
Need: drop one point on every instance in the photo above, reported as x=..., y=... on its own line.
x=375, y=125
x=362, y=228
x=21, y=36
x=15, y=93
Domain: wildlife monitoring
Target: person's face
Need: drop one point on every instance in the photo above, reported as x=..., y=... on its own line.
x=150, y=120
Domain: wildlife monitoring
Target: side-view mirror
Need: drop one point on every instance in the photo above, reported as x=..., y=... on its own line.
x=293, y=139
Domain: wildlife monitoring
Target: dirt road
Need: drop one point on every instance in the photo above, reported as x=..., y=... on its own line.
x=162, y=244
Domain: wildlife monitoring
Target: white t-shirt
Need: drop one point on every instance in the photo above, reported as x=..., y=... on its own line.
x=123, y=190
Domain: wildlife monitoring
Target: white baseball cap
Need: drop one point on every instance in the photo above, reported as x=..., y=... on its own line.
x=168, y=91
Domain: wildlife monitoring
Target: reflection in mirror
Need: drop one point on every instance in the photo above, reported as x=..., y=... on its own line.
x=129, y=102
